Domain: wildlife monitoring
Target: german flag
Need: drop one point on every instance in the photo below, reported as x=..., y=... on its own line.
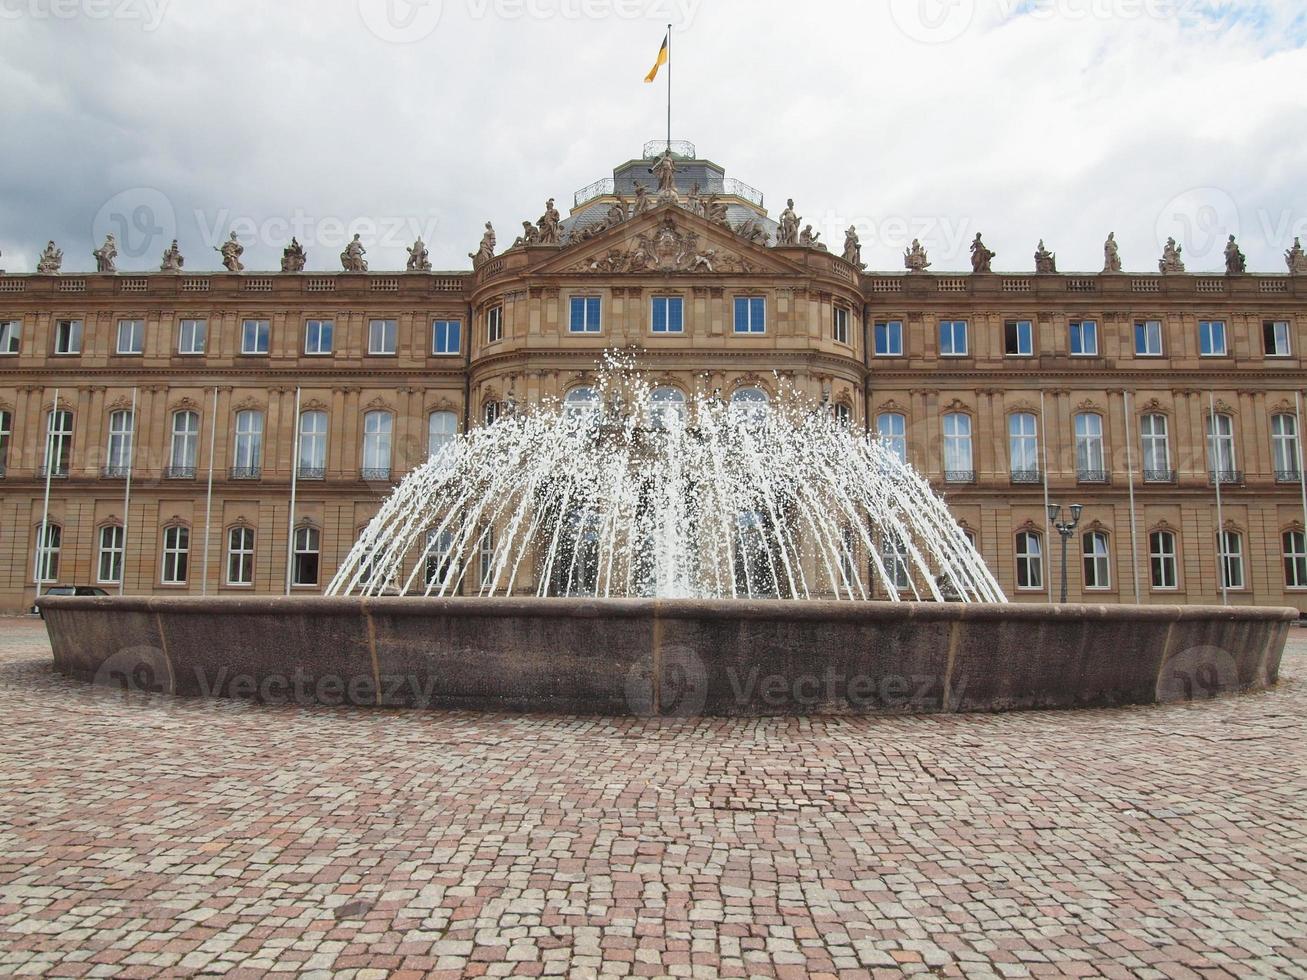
x=662, y=59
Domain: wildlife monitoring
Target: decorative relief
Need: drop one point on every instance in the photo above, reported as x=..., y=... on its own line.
x=667, y=249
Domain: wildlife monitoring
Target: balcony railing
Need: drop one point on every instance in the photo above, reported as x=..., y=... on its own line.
x=115, y=471
x=246, y=473
x=959, y=476
x=179, y=472
x=312, y=473
x=1093, y=476
x=625, y=187
x=1281, y=476
x=1225, y=477
x=375, y=473
x=1159, y=476
x=60, y=472
x=1027, y=476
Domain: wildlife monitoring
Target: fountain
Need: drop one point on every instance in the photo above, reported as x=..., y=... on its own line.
x=635, y=551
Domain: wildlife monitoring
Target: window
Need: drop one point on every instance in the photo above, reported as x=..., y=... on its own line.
x=666, y=404
x=840, y=325
x=119, y=457
x=109, y=567
x=1284, y=447
x=1023, y=447
x=9, y=336
x=446, y=336
x=377, y=430
x=49, y=540
x=59, y=443
x=1275, y=337
x=1230, y=544
x=1098, y=565
x=1211, y=338
x=249, y=445
x=581, y=404
x=750, y=404
x=131, y=336
x=843, y=413
x=486, y=558
x=848, y=564
x=492, y=412
x=1148, y=338
x=1019, y=338
x=312, y=462
x=1084, y=338
x=494, y=324
x=1220, y=448
x=750, y=314
x=255, y=336
x=440, y=559
x=585, y=314
x=176, y=553
x=191, y=336
x=893, y=431
x=1295, y=560
x=185, y=444
x=68, y=336
x=894, y=556
x=383, y=337
x=1157, y=449
x=958, y=466
x=307, y=549
x=668, y=314
x=6, y=434
x=442, y=427
x=1030, y=560
x=1162, y=560
x=953, y=338
x=1090, y=465
x=889, y=338
x=240, y=556
x=318, y=337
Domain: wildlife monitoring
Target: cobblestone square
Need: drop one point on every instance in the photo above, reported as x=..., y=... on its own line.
x=144, y=836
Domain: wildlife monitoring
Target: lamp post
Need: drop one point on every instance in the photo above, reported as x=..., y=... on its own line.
x=1065, y=529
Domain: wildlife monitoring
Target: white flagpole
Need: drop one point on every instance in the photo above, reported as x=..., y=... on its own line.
x=294, y=486
x=1048, y=523
x=42, y=539
x=1130, y=471
x=208, y=502
x=127, y=498
x=1222, y=557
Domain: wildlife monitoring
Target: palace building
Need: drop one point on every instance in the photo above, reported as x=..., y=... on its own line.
x=232, y=432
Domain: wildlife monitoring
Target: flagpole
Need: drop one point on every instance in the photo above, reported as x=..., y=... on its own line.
x=669, y=88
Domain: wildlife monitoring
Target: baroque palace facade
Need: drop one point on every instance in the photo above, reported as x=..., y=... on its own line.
x=233, y=432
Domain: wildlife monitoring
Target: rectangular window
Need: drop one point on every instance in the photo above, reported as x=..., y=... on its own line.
x=750, y=314
x=9, y=336
x=191, y=336
x=446, y=337
x=668, y=314
x=48, y=546
x=1231, y=559
x=1019, y=338
x=1030, y=561
x=240, y=556
x=1084, y=338
x=585, y=315
x=131, y=336
x=383, y=337
x=318, y=337
x=486, y=559
x=307, y=552
x=1211, y=338
x=494, y=325
x=109, y=568
x=68, y=337
x=255, y=336
x=1162, y=560
x=1097, y=562
x=1148, y=338
x=176, y=553
x=59, y=443
x=1295, y=560
x=1275, y=336
x=953, y=338
x=889, y=338
x=6, y=434
x=840, y=326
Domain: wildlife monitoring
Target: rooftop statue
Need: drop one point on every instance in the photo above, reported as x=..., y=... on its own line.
x=981, y=257
x=1111, y=254
x=754, y=232
x=914, y=258
x=664, y=172
x=788, y=233
x=50, y=262
x=172, y=259
x=1171, y=261
x=420, y=261
x=1045, y=261
x=695, y=201
x=530, y=236
x=231, y=252
x=105, y=255
x=1296, y=259
x=643, y=202
x=293, y=257
x=853, y=248
x=811, y=239
x=351, y=260
x=486, y=251
x=715, y=210
x=1236, y=263
x=549, y=224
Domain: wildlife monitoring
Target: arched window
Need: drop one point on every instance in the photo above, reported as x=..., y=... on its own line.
x=1023, y=447
x=1030, y=560
x=1162, y=560
x=958, y=460
x=1231, y=558
x=442, y=427
x=750, y=404
x=308, y=549
x=59, y=443
x=843, y=413
x=1098, y=564
x=247, y=462
x=119, y=455
x=49, y=542
x=184, y=447
x=666, y=404
x=1220, y=449
x=109, y=566
x=1157, y=448
x=378, y=428
x=313, y=446
x=1090, y=458
x=893, y=431
x=492, y=412
x=176, y=554
x=1295, y=559
x=1284, y=445
x=581, y=404
x=240, y=556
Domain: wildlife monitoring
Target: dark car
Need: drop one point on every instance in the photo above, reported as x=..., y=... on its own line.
x=69, y=590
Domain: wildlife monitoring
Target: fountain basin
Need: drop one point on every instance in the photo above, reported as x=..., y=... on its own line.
x=665, y=657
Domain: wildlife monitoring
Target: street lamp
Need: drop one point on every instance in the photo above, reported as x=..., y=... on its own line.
x=1066, y=530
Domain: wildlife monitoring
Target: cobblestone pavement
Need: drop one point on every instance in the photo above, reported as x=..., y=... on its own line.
x=141, y=836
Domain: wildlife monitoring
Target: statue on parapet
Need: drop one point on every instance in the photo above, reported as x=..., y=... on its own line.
x=914, y=258
x=643, y=202
x=788, y=233
x=853, y=248
x=1296, y=259
x=549, y=225
x=664, y=171
x=231, y=252
x=1111, y=254
x=1171, y=261
x=418, y=258
x=530, y=235
x=172, y=259
x=352, y=260
x=486, y=251
x=695, y=201
x=753, y=232
x=104, y=255
x=981, y=257
x=716, y=210
x=50, y=262
x=1045, y=261
x=811, y=239
x=293, y=257
x=1236, y=263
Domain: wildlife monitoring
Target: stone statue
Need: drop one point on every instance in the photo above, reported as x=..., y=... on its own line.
x=616, y=214
x=105, y=254
x=50, y=262
x=351, y=260
x=1171, y=261
x=530, y=235
x=914, y=258
x=293, y=257
x=231, y=252
x=1111, y=254
x=172, y=259
x=486, y=251
x=754, y=232
x=788, y=233
x=420, y=261
x=981, y=257
x=715, y=210
x=1236, y=263
x=1045, y=261
x=695, y=201
x=811, y=239
x=664, y=172
x=549, y=225
x=1296, y=259
x=853, y=248
x=642, y=200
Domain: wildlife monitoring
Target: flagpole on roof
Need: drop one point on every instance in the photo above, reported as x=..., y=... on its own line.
x=669, y=89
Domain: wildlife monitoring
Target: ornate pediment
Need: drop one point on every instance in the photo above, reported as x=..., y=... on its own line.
x=958, y=405
x=1152, y=407
x=1023, y=406
x=441, y=405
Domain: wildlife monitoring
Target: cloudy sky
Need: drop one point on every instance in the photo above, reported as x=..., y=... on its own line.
x=1022, y=119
